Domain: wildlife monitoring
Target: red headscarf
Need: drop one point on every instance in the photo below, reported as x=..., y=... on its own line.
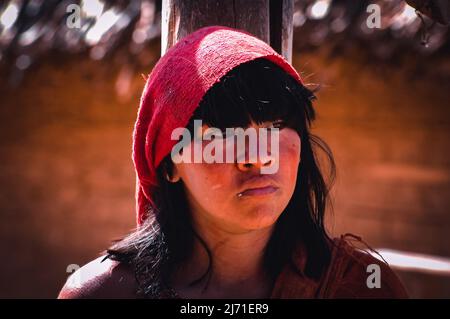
x=175, y=88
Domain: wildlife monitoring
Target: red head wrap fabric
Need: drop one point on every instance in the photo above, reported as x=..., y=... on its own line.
x=175, y=88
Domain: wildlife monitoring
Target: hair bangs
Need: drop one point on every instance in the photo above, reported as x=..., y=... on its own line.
x=257, y=91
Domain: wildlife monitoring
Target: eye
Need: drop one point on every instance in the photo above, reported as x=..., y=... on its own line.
x=279, y=124
x=216, y=134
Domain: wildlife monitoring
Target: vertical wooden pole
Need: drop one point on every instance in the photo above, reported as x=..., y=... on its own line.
x=269, y=20
x=281, y=26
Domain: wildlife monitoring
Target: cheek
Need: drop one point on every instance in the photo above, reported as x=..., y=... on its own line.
x=290, y=146
x=207, y=183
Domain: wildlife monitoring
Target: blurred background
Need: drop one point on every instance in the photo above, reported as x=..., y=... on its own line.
x=68, y=102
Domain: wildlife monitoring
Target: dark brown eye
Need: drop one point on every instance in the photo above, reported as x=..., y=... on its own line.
x=217, y=133
x=280, y=124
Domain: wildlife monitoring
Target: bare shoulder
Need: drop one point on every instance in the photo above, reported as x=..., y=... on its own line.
x=100, y=278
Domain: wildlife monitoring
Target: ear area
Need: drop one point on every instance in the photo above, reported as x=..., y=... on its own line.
x=170, y=171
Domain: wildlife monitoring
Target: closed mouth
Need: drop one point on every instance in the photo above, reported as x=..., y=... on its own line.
x=259, y=191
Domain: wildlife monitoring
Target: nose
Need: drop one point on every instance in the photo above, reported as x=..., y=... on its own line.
x=248, y=165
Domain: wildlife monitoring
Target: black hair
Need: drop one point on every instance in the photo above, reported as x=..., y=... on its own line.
x=261, y=91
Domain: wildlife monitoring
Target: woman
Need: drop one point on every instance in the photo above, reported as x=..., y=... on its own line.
x=224, y=229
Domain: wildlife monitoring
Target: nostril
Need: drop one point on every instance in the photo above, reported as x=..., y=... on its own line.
x=250, y=165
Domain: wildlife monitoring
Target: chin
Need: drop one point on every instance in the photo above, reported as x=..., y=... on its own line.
x=261, y=217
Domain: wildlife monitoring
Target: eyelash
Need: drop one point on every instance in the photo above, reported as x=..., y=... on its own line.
x=279, y=124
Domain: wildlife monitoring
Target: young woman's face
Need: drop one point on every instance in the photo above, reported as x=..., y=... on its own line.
x=236, y=197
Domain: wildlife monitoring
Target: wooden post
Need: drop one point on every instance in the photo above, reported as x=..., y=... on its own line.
x=269, y=20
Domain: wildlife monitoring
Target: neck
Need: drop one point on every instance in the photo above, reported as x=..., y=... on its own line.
x=236, y=260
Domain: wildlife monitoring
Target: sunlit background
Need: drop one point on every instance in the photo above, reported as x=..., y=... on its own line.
x=68, y=102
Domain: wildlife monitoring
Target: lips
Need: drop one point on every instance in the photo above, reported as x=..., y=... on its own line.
x=258, y=185
x=260, y=191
